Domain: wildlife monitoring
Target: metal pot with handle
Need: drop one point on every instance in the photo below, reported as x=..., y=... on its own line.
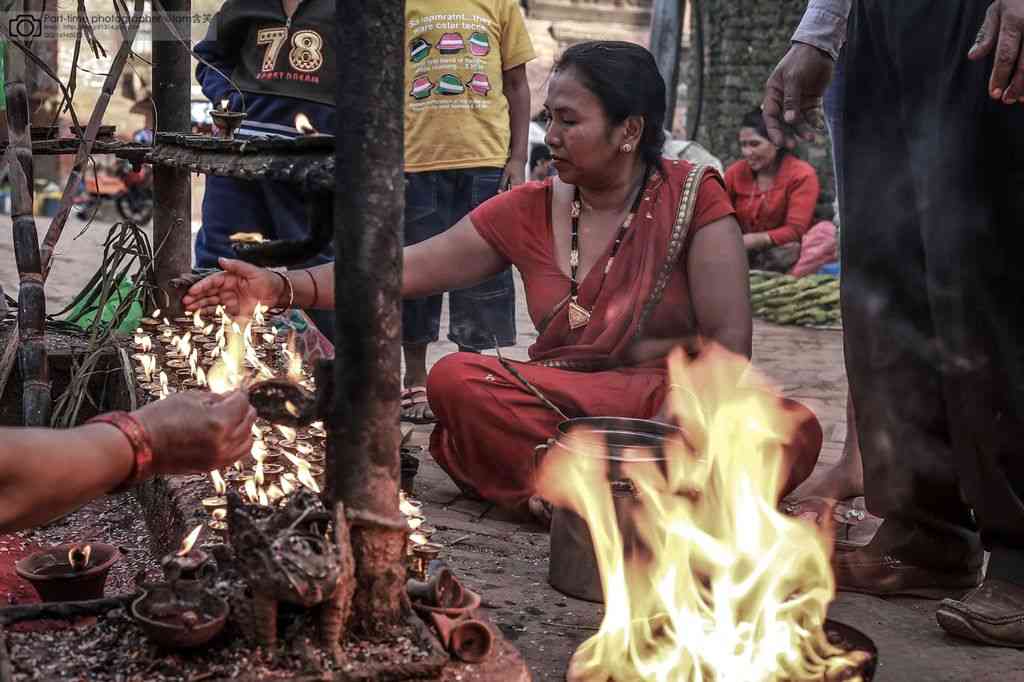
x=572, y=567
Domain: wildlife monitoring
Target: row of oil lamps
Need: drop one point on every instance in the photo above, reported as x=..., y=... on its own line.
x=222, y=355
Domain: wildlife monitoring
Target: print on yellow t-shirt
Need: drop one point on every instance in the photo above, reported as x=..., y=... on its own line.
x=456, y=114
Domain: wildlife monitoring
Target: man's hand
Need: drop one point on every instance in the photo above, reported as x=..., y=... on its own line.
x=792, y=100
x=514, y=174
x=1003, y=31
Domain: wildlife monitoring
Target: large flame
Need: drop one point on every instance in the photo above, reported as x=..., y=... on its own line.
x=229, y=371
x=703, y=579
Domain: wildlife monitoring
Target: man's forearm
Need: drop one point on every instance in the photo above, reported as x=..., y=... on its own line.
x=824, y=25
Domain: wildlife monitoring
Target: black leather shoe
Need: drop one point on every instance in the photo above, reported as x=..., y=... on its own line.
x=991, y=614
x=868, y=572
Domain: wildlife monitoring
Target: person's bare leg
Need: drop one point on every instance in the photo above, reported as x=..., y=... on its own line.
x=415, y=375
x=846, y=477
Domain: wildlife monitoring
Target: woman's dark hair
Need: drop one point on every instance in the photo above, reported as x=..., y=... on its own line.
x=626, y=80
x=755, y=119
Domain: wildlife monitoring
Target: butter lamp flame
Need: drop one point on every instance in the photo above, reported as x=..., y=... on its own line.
x=189, y=542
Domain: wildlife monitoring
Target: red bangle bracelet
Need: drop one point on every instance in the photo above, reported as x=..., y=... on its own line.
x=142, y=449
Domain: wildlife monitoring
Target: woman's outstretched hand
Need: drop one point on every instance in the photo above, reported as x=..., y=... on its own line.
x=238, y=288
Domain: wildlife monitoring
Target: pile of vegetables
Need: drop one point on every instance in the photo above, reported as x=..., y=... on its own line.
x=811, y=301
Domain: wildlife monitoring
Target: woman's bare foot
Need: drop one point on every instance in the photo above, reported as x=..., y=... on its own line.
x=816, y=499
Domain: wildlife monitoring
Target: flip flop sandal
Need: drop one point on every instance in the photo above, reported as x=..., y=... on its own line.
x=415, y=408
x=818, y=509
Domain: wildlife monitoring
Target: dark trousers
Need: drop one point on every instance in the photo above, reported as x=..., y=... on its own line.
x=275, y=209
x=434, y=202
x=932, y=200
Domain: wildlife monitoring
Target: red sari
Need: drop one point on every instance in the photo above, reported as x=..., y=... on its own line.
x=488, y=423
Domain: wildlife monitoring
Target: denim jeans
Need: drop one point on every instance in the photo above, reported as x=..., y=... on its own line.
x=434, y=202
x=275, y=209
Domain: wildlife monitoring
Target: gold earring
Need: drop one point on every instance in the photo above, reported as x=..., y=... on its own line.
x=627, y=148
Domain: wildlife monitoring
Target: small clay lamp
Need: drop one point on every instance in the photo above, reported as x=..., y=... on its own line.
x=182, y=612
x=227, y=121
x=69, y=572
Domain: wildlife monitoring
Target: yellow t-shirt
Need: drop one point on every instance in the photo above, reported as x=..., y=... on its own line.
x=456, y=114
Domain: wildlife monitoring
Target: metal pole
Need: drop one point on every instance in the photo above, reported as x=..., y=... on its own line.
x=364, y=433
x=666, y=34
x=172, y=87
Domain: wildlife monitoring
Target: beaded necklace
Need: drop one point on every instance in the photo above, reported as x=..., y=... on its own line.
x=578, y=315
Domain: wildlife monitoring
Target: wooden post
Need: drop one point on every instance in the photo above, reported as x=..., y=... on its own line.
x=31, y=297
x=363, y=424
x=666, y=34
x=172, y=213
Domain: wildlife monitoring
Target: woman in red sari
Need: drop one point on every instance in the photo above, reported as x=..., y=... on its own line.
x=623, y=256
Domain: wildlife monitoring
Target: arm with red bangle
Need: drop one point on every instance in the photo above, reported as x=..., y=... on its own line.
x=45, y=473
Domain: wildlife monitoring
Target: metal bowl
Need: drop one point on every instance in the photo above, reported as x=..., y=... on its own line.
x=839, y=634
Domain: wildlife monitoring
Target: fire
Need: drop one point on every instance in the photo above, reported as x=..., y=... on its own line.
x=148, y=366
x=294, y=360
x=228, y=373
x=274, y=493
x=258, y=451
x=408, y=507
x=197, y=320
x=299, y=462
x=78, y=557
x=418, y=538
x=287, y=483
x=286, y=431
x=250, y=491
x=156, y=315
x=304, y=125
x=189, y=541
x=709, y=582
x=219, y=486
x=258, y=474
x=306, y=479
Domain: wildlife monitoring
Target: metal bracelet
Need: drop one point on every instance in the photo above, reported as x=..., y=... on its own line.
x=291, y=293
